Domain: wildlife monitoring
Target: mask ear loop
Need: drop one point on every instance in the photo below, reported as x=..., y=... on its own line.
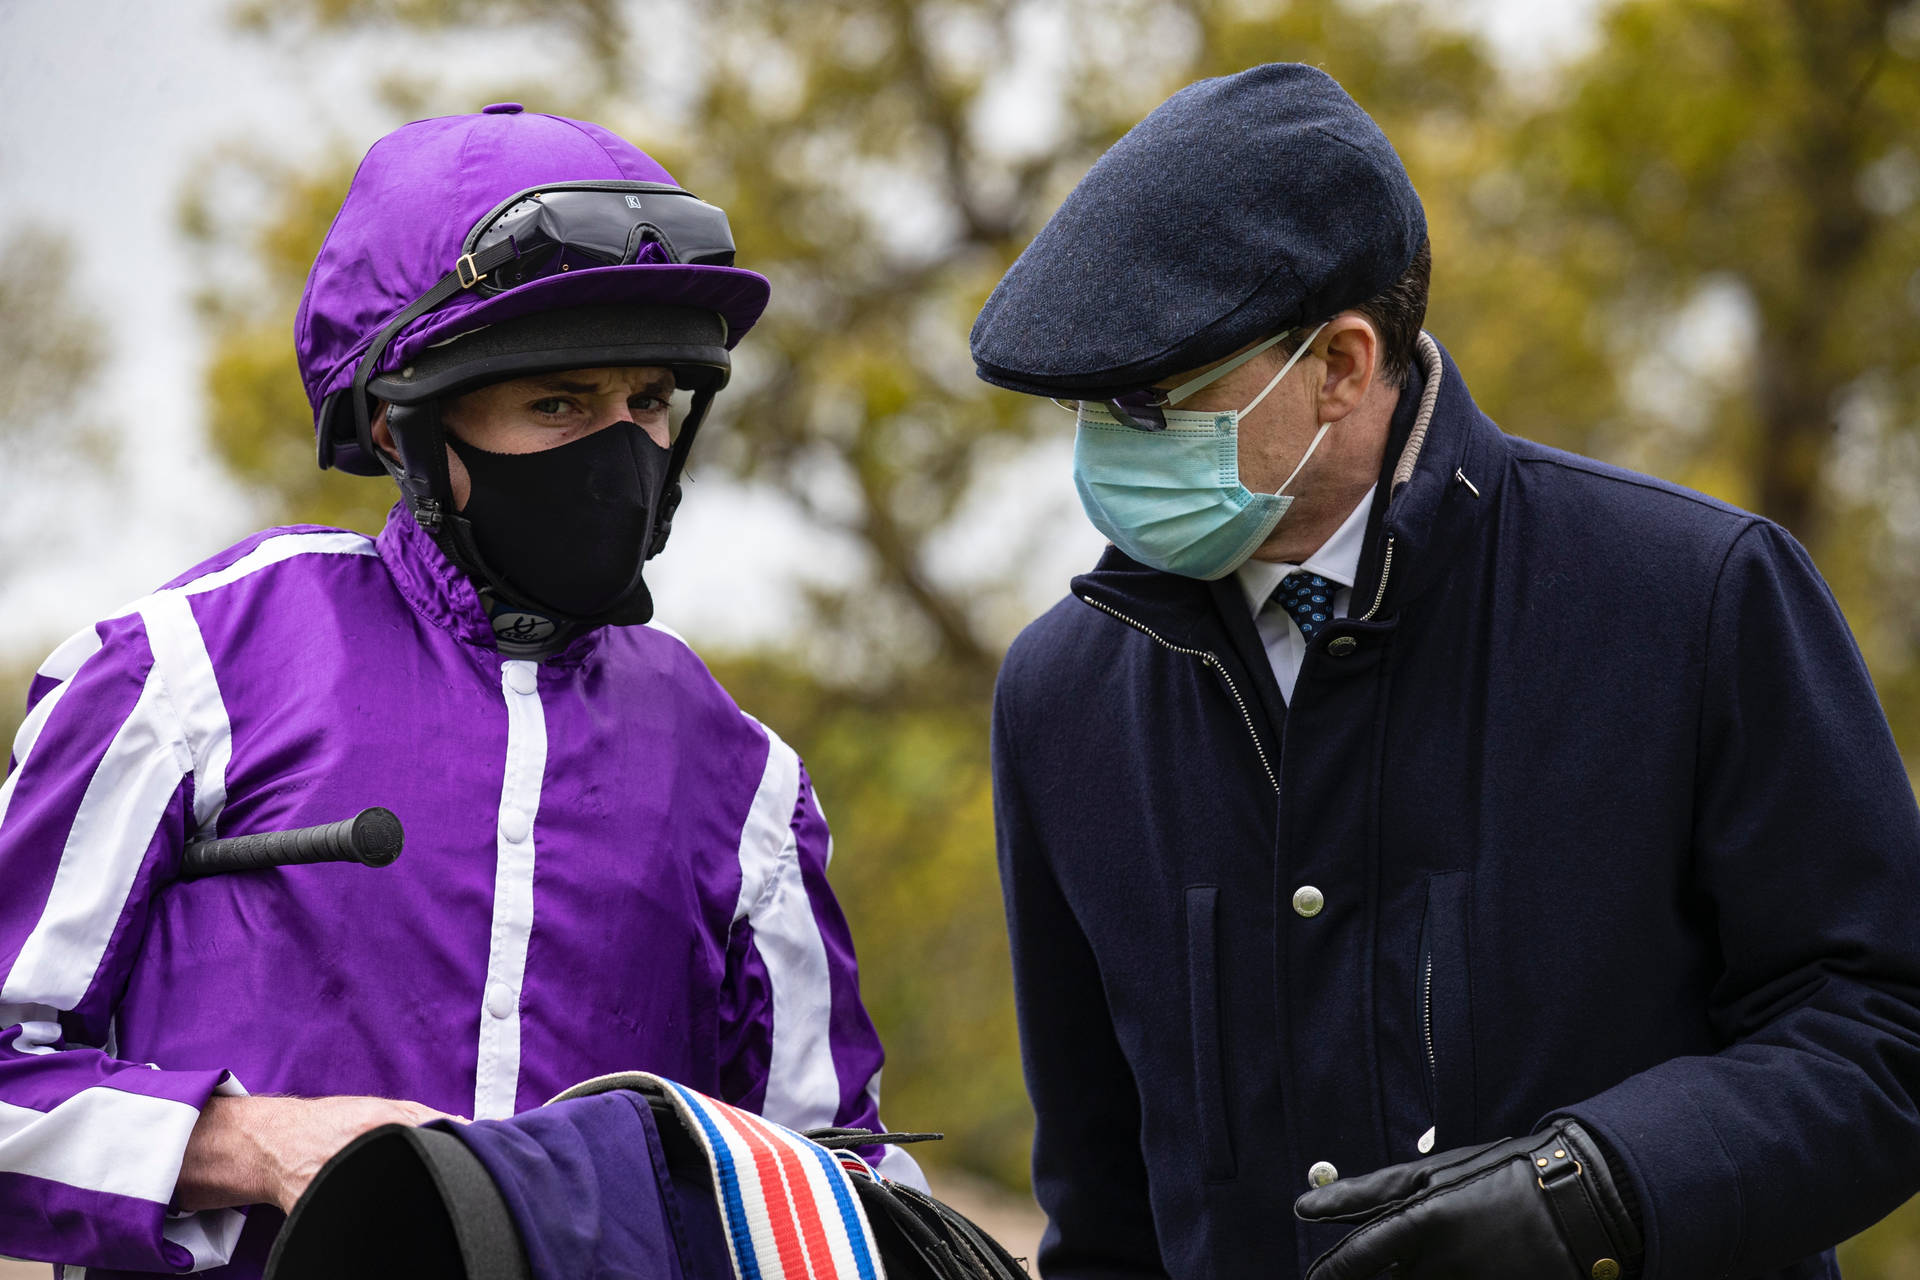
x=1292, y=360
x=1194, y=384
x=1319, y=435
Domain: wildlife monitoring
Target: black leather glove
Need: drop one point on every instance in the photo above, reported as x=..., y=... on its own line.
x=1543, y=1207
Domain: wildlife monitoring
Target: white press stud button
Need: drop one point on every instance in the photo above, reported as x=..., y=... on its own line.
x=1426, y=1143
x=521, y=679
x=500, y=1000
x=515, y=825
x=1322, y=1173
x=1308, y=901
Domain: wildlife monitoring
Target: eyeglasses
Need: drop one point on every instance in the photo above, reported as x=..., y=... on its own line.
x=1145, y=409
x=572, y=225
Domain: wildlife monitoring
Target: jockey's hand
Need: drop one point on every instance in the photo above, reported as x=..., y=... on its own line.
x=1542, y=1207
x=264, y=1150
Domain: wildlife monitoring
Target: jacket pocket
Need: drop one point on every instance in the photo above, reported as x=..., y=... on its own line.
x=1444, y=992
x=1209, y=1056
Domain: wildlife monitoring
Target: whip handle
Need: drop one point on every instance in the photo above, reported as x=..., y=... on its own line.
x=371, y=837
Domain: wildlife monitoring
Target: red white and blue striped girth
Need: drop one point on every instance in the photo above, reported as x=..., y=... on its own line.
x=789, y=1205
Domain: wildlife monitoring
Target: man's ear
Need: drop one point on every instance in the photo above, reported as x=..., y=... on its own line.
x=1350, y=347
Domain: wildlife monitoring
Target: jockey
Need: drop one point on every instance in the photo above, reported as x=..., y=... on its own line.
x=523, y=320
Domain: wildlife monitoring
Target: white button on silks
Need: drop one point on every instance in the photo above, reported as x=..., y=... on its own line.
x=1322, y=1173
x=500, y=1000
x=515, y=825
x=521, y=679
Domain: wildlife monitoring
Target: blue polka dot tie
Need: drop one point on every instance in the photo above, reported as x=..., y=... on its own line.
x=1308, y=600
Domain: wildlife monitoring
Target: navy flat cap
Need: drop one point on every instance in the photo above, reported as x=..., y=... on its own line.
x=1242, y=207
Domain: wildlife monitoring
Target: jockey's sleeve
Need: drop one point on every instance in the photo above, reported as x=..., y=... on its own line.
x=799, y=1046
x=93, y=815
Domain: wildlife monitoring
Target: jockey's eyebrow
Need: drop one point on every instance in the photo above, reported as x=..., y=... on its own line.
x=656, y=384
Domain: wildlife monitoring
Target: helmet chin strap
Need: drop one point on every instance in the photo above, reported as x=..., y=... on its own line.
x=421, y=471
x=420, y=467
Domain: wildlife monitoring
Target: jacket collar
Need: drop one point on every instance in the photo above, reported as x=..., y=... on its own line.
x=1446, y=483
x=1422, y=514
x=436, y=589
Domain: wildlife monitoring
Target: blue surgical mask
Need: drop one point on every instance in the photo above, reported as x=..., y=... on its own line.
x=1173, y=499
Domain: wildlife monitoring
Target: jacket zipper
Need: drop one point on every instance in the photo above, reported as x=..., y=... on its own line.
x=1426, y=1024
x=1427, y=1140
x=1213, y=661
x=1433, y=1062
x=1386, y=567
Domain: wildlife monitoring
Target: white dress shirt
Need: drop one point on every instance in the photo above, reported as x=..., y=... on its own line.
x=1337, y=560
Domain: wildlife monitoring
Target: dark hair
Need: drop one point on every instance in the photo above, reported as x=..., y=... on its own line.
x=1397, y=313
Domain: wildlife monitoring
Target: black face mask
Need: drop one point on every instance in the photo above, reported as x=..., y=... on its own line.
x=567, y=530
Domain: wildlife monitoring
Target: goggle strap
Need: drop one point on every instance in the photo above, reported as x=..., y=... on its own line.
x=467, y=272
x=1193, y=384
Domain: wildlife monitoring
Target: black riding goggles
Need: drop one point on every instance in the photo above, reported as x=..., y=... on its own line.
x=569, y=226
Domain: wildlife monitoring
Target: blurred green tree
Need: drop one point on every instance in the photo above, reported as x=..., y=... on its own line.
x=1729, y=192
x=255, y=403
x=1692, y=250
x=52, y=441
x=49, y=434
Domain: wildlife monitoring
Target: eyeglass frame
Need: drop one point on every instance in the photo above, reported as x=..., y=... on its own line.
x=1143, y=409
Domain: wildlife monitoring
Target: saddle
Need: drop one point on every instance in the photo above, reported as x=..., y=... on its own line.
x=626, y=1174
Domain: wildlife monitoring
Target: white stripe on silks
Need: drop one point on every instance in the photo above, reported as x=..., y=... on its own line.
x=497, y=1077
x=284, y=546
x=23, y=743
x=39, y=1027
x=61, y=665
x=213, y=748
x=900, y=1166
x=105, y=845
x=895, y=1161
x=269, y=552
x=803, y=1088
x=180, y=653
x=769, y=823
x=100, y=1139
x=65, y=662
x=211, y=1235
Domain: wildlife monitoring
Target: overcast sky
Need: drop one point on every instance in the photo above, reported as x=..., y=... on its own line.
x=104, y=104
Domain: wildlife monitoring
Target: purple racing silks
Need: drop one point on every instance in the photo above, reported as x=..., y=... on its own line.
x=607, y=865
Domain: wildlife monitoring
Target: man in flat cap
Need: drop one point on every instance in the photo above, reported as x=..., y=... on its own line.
x=1497, y=858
